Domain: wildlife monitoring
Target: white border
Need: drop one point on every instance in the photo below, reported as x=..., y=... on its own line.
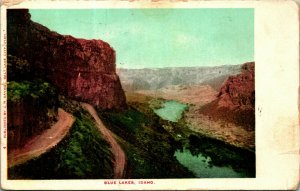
x=277, y=82
x=3, y=104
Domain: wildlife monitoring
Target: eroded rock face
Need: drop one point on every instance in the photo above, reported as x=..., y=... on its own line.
x=235, y=102
x=81, y=69
x=238, y=91
x=32, y=103
x=28, y=117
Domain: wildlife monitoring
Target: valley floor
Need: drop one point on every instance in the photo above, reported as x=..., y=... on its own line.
x=224, y=131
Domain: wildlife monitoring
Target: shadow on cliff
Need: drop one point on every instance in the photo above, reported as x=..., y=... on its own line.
x=81, y=69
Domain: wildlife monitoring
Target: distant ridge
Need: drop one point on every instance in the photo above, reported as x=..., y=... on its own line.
x=156, y=78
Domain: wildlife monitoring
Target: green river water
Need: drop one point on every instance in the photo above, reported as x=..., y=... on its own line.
x=200, y=164
x=171, y=111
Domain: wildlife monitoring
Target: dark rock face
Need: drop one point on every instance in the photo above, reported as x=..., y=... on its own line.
x=81, y=69
x=23, y=124
x=236, y=99
x=29, y=116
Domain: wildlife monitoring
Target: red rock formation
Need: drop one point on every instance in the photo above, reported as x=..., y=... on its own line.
x=81, y=69
x=238, y=91
x=236, y=99
x=28, y=117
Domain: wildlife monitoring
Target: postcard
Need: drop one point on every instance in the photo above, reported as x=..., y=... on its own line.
x=151, y=95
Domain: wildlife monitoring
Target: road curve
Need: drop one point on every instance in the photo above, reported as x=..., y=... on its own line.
x=119, y=155
x=43, y=142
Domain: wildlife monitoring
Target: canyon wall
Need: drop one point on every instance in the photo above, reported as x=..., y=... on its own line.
x=236, y=99
x=42, y=64
x=32, y=106
x=238, y=91
x=81, y=69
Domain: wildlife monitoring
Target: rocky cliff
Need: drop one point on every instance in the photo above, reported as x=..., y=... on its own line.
x=236, y=99
x=238, y=91
x=32, y=108
x=81, y=69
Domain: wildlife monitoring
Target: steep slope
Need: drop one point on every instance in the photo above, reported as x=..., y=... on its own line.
x=83, y=153
x=81, y=69
x=42, y=67
x=119, y=155
x=238, y=91
x=236, y=99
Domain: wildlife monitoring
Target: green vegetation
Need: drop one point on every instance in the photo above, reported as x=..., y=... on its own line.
x=82, y=154
x=156, y=103
x=148, y=147
x=22, y=90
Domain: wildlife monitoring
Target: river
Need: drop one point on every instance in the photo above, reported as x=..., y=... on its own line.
x=202, y=168
x=206, y=157
x=171, y=110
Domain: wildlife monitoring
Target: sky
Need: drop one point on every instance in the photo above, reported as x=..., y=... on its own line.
x=155, y=38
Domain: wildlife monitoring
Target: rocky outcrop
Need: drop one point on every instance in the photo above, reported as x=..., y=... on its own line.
x=238, y=91
x=81, y=69
x=236, y=99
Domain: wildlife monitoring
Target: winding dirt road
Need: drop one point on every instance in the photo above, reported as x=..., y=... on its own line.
x=43, y=142
x=120, y=158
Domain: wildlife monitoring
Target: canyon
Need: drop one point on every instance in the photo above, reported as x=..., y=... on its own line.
x=119, y=124
x=220, y=105
x=81, y=69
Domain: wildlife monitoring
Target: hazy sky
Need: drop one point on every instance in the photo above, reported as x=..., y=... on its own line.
x=161, y=37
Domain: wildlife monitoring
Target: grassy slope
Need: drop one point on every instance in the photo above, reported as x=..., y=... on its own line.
x=148, y=147
x=82, y=154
